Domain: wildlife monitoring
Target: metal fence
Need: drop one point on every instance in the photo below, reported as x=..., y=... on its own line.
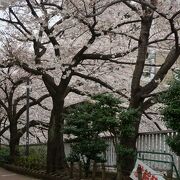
x=156, y=141
x=148, y=141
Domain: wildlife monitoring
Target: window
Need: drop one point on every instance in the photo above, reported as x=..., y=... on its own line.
x=150, y=69
x=176, y=73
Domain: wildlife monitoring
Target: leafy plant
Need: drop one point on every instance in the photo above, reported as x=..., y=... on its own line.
x=4, y=154
x=171, y=113
x=35, y=160
x=85, y=122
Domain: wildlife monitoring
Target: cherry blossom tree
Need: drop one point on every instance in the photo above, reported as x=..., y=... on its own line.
x=151, y=32
x=64, y=40
x=13, y=103
x=47, y=46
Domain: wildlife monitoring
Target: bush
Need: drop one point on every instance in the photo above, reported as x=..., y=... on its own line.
x=36, y=159
x=171, y=113
x=4, y=154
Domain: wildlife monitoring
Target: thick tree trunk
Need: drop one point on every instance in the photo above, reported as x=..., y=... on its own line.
x=136, y=101
x=127, y=162
x=87, y=167
x=119, y=171
x=80, y=170
x=71, y=169
x=94, y=170
x=103, y=177
x=14, y=142
x=55, y=145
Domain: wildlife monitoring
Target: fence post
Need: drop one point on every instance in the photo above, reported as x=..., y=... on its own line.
x=139, y=172
x=80, y=170
x=103, y=171
x=71, y=169
x=94, y=170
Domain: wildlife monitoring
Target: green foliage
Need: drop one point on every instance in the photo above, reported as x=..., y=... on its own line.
x=107, y=99
x=117, y=120
x=123, y=151
x=73, y=157
x=89, y=117
x=127, y=118
x=171, y=113
x=91, y=148
x=96, y=115
x=87, y=120
x=35, y=160
x=174, y=143
x=4, y=154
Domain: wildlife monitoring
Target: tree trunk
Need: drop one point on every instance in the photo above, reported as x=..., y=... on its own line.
x=87, y=167
x=139, y=171
x=103, y=177
x=136, y=101
x=14, y=142
x=119, y=171
x=55, y=145
x=127, y=162
x=71, y=169
x=80, y=170
x=94, y=170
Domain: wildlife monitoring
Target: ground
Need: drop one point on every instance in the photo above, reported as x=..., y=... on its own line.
x=8, y=175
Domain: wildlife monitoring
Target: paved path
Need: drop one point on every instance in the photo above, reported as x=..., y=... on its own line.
x=8, y=175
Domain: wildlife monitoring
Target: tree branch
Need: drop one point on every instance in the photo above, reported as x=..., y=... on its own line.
x=159, y=76
x=32, y=123
x=101, y=83
x=36, y=102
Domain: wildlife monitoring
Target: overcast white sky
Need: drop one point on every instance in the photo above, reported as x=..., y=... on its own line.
x=5, y=3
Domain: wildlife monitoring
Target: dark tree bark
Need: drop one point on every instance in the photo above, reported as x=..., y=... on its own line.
x=55, y=145
x=55, y=148
x=10, y=107
x=138, y=93
x=136, y=100
x=16, y=134
x=14, y=141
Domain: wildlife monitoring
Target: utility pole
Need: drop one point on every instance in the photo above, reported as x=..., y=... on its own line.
x=0, y=136
x=27, y=117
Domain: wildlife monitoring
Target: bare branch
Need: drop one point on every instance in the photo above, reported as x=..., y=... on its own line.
x=100, y=82
x=53, y=5
x=36, y=102
x=169, y=61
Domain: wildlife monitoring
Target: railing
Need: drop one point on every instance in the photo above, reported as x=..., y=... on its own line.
x=148, y=141
x=164, y=162
x=156, y=141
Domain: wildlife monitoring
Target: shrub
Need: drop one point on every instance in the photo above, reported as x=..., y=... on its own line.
x=171, y=112
x=4, y=154
x=35, y=160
